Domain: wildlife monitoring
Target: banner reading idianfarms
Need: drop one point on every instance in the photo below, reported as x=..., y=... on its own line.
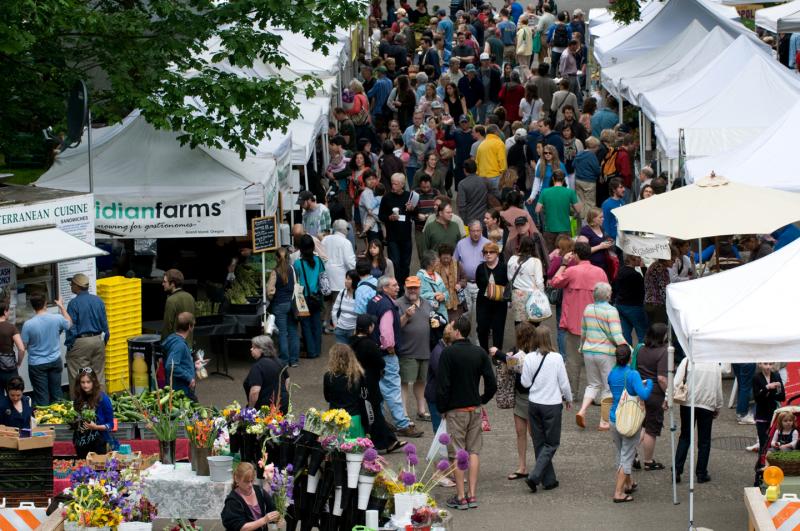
x=217, y=214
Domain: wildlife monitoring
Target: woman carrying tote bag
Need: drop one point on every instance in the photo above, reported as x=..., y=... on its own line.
x=626, y=385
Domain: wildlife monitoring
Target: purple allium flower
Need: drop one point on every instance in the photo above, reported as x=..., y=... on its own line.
x=408, y=478
x=442, y=465
x=371, y=454
x=410, y=448
x=462, y=459
x=289, y=468
x=413, y=460
x=444, y=439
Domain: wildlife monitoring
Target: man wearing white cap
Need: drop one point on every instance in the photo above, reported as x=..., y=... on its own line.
x=86, y=339
x=578, y=25
x=490, y=77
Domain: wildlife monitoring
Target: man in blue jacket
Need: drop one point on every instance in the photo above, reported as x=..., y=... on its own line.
x=179, y=363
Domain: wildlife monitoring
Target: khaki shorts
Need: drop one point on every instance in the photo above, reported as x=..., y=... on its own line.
x=412, y=370
x=464, y=428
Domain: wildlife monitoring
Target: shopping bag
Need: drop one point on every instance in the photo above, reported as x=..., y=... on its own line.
x=537, y=307
x=437, y=449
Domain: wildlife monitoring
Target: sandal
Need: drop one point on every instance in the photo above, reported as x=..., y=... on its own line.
x=653, y=465
x=627, y=498
x=633, y=488
x=424, y=416
x=396, y=446
x=516, y=475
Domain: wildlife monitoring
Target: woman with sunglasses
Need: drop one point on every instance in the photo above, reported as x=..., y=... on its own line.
x=490, y=314
x=96, y=416
x=544, y=171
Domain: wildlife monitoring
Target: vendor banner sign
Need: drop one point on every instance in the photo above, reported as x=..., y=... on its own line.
x=647, y=247
x=188, y=216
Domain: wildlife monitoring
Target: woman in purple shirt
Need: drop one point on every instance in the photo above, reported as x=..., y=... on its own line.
x=598, y=241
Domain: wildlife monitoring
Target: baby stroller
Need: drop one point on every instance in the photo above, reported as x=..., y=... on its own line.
x=774, y=426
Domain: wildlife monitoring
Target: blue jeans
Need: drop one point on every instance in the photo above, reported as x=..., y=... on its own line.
x=342, y=335
x=288, y=340
x=632, y=318
x=561, y=335
x=410, y=171
x=400, y=255
x=744, y=380
x=390, y=390
x=46, y=382
x=312, y=333
x=436, y=417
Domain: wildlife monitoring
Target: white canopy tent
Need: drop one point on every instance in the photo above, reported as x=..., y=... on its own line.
x=661, y=28
x=737, y=316
x=702, y=104
x=615, y=76
x=760, y=161
x=693, y=59
x=784, y=18
x=134, y=162
x=622, y=31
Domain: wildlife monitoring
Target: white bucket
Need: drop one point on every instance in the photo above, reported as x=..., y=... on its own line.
x=221, y=467
x=364, y=490
x=313, y=481
x=353, y=469
x=337, y=502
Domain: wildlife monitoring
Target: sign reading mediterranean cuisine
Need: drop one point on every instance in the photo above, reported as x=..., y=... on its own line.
x=187, y=216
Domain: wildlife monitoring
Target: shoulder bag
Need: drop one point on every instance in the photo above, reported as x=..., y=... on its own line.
x=506, y=380
x=630, y=412
x=324, y=279
x=680, y=395
x=494, y=292
x=299, y=304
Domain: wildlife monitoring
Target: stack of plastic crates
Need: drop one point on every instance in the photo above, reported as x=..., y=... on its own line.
x=123, y=299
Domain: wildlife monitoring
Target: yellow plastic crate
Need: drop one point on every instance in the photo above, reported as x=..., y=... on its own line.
x=117, y=352
x=127, y=300
x=127, y=329
x=117, y=281
x=117, y=366
x=124, y=314
x=117, y=383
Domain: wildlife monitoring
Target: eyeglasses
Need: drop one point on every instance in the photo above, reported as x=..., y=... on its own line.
x=86, y=370
x=548, y=154
x=489, y=252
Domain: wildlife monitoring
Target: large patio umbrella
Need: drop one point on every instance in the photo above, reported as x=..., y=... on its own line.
x=713, y=206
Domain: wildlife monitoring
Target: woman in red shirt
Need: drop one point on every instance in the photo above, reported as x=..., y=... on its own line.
x=511, y=94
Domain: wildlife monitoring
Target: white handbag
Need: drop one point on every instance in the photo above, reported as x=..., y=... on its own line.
x=537, y=307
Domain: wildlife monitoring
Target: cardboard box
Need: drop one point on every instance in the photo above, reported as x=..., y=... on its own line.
x=40, y=438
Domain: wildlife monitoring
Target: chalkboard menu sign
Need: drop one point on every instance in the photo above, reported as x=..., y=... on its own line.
x=265, y=234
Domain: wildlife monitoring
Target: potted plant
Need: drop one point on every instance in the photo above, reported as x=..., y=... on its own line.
x=162, y=420
x=202, y=434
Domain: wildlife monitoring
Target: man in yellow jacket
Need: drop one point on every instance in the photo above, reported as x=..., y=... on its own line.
x=491, y=158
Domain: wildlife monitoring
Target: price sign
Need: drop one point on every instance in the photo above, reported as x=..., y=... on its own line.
x=265, y=234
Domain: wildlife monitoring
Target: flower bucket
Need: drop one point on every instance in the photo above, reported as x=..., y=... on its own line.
x=220, y=467
x=353, y=469
x=193, y=457
x=403, y=506
x=315, y=461
x=337, y=502
x=166, y=452
x=313, y=481
x=201, y=456
x=74, y=526
x=364, y=490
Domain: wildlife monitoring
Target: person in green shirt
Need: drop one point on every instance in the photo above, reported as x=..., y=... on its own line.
x=558, y=202
x=178, y=301
x=443, y=229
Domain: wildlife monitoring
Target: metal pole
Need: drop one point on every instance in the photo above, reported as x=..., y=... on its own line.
x=671, y=404
x=264, y=264
x=89, y=148
x=691, y=446
x=619, y=104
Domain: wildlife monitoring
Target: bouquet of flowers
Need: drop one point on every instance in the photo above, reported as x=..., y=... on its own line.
x=313, y=421
x=427, y=515
x=162, y=418
x=281, y=487
x=335, y=422
x=412, y=482
x=232, y=415
x=373, y=464
x=202, y=432
x=348, y=97
x=359, y=445
x=92, y=506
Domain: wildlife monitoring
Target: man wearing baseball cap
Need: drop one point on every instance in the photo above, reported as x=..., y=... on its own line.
x=490, y=78
x=86, y=339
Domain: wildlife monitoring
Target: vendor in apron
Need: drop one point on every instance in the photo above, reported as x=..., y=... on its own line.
x=95, y=416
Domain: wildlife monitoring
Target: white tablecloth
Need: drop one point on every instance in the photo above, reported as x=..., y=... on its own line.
x=180, y=493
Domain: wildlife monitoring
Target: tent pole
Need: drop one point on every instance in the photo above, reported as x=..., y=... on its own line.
x=671, y=404
x=89, y=146
x=316, y=162
x=691, y=446
x=699, y=265
x=619, y=104
x=264, y=266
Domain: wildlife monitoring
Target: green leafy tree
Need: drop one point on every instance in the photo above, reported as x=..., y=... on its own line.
x=625, y=11
x=155, y=55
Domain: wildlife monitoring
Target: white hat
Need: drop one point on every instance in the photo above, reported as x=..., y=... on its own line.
x=577, y=12
x=521, y=133
x=485, y=57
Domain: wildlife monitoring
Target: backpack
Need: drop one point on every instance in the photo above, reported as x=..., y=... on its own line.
x=561, y=36
x=609, y=166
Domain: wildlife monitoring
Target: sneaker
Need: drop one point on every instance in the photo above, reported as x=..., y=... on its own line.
x=455, y=503
x=293, y=365
x=472, y=502
x=745, y=419
x=704, y=478
x=753, y=448
x=409, y=432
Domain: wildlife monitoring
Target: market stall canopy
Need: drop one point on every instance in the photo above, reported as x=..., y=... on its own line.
x=702, y=105
x=714, y=206
x=743, y=315
x=614, y=77
x=23, y=248
x=312, y=122
x=661, y=28
x=761, y=161
x=694, y=59
x=783, y=18
x=620, y=32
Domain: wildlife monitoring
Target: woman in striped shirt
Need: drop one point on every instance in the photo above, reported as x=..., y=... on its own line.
x=343, y=313
x=601, y=332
